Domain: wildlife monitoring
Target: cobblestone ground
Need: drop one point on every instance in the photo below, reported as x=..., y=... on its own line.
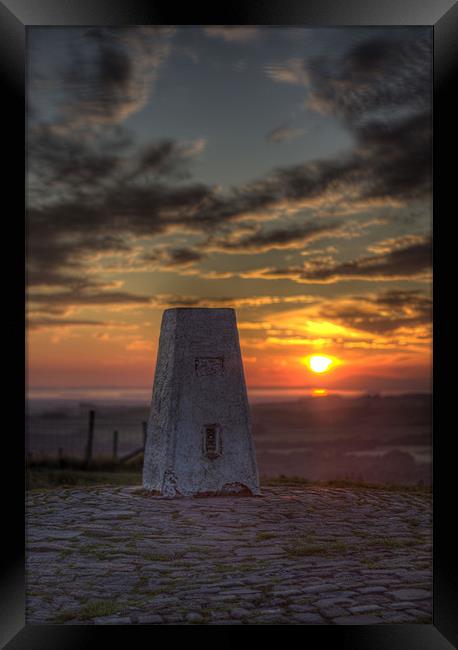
x=293, y=556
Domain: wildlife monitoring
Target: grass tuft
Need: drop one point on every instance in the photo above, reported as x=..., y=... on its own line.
x=264, y=535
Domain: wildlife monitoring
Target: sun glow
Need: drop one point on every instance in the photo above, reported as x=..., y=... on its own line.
x=320, y=363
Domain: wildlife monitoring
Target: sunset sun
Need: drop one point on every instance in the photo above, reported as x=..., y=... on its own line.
x=320, y=363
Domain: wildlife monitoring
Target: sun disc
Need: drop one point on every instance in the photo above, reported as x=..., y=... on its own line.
x=320, y=363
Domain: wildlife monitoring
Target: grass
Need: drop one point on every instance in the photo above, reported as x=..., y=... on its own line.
x=423, y=620
x=372, y=565
x=264, y=535
x=304, y=548
x=45, y=479
x=92, y=609
x=284, y=480
x=99, y=463
x=386, y=487
x=98, y=551
x=161, y=557
x=98, y=533
x=293, y=481
x=65, y=615
x=96, y=608
x=390, y=542
x=49, y=473
x=222, y=567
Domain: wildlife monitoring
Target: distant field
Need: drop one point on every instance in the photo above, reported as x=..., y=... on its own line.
x=369, y=438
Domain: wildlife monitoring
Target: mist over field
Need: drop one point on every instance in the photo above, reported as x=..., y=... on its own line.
x=382, y=439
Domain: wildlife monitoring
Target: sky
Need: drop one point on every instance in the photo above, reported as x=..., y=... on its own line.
x=282, y=171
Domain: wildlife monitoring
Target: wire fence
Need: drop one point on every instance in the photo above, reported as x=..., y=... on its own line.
x=84, y=437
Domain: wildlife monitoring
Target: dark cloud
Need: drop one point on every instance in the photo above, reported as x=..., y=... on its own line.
x=172, y=257
x=400, y=159
x=268, y=301
x=106, y=80
x=380, y=89
x=169, y=300
x=119, y=199
x=377, y=81
x=161, y=158
x=46, y=323
x=284, y=134
x=404, y=262
x=292, y=237
x=85, y=184
x=56, y=161
x=396, y=298
x=384, y=313
x=261, y=239
x=409, y=262
x=80, y=193
x=179, y=256
x=111, y=73
x=99, y=295
x=389, y=163
x=233, y=33
x=58, y=247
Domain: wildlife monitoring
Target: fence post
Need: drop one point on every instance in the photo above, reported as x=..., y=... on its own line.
x=90, y=437
x=115, y=445
x=144, y=435
x=60, y=454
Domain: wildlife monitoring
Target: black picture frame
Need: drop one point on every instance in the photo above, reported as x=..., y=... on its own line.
x=442, y=16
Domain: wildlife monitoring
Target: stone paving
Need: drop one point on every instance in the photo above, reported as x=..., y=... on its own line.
x=306, y=555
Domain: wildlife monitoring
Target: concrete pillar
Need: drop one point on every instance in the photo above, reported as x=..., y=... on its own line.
x=199, y=435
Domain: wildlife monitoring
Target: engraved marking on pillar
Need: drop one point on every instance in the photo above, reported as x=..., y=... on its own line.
x=211, y=441
x=208, y=366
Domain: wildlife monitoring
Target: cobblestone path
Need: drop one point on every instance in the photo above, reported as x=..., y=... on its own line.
x=310, y=555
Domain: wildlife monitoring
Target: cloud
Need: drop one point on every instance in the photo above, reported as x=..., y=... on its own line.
x=58, y=302
x=388, y=320
x=171, y=258
x=379, y=82
x=293, y=71
x=139, y=345
x=168, y=159
x=386, y=312
x=59, y=160
x=170, y=300
x=289, y=237
x=81, y=191
x=380, y=89
x=111, y=73
x=393, y=243
x=407, y=263
x=143, y=195
x=284, y=134
x=38, y=323
x=179, y=256
x=93, y=192
x=264, y=240
x=47, y=323
x=233, y=33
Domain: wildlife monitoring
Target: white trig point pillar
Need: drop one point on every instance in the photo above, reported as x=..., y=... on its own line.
x=199, y=435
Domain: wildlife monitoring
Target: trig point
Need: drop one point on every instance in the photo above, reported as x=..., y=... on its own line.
x=199, y=435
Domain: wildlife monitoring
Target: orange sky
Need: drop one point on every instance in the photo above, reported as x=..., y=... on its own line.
x=274, y=347
x=263, y=169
